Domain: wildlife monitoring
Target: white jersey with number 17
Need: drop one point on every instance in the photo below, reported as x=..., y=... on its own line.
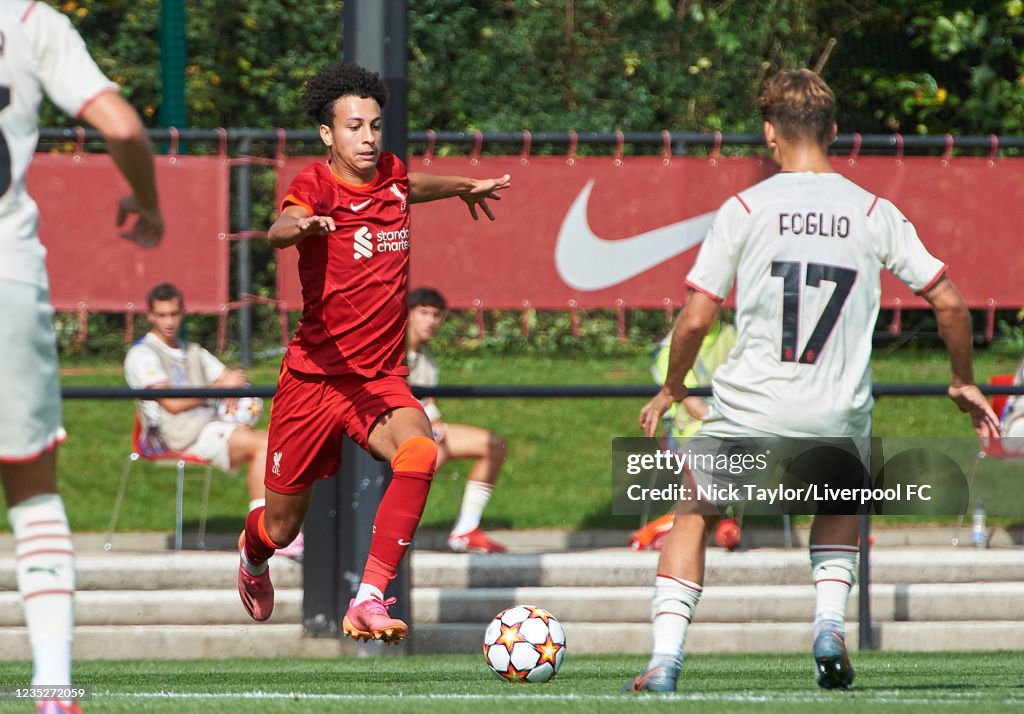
x=40, y=52
x=805, y=251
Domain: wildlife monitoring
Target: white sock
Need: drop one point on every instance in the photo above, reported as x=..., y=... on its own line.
x=368, y=592
x=45, y=564
x=474, y=500
x=672, y=610
x=834, y=569
x=253, y=569
x=256, y=503
x=51, y=659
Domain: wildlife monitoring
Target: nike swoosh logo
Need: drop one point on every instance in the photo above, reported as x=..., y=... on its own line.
x=587, y=262
x=404, y=542
x=360, y=206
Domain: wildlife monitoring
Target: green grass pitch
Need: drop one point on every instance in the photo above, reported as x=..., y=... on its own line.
x=886, y=682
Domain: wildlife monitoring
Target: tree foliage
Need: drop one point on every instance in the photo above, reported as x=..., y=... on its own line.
x=592, y=65
x=246, y=59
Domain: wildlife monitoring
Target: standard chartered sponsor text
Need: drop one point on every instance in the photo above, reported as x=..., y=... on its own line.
x=393, y=240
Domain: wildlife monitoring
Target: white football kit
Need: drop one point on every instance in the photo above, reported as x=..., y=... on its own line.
x=40, y=52
x=805, y=251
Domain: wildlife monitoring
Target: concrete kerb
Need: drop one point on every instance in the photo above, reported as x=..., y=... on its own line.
x=143, y=595
x=553, y=540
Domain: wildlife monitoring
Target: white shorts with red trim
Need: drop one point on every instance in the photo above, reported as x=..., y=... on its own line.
x=725, y=459
x=30, y=402
x=708, y=472
x=212, y=444
x=1013, y=433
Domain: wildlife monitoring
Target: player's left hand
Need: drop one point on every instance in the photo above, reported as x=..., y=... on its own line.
x=482, y=190
x=652, y=412
x=971, y=401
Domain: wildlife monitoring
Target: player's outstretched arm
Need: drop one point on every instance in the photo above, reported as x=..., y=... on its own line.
x=475, y=192
x=693, y=324
x=294, y=224
x=128, y=145
x=954, y=321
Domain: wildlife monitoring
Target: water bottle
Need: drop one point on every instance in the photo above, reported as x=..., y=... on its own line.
x=979, y=534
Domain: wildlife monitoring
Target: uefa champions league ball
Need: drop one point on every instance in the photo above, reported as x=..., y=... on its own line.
x=524, y=644
x=244, y=410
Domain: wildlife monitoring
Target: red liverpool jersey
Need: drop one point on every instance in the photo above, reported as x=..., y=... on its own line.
x=354, y=280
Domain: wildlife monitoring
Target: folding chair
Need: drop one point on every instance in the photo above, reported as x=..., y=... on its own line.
x=993, y=449
x=161, y=458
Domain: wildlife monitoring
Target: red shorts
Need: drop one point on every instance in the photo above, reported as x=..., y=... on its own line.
x=310, y=414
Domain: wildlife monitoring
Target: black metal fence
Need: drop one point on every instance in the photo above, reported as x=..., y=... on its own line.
x=599, y=391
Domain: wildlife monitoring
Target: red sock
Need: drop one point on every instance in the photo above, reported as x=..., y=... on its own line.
x=400, y=510
x=258, y=546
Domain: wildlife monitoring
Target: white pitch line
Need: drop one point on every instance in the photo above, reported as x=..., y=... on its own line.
x=889, y=697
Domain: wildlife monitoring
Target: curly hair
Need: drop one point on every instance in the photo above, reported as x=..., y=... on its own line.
x=339, y=80
x=799, y=104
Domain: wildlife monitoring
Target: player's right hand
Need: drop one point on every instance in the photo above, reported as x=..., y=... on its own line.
x=484, y=189
x=971, y=401
x=315, y=225
x=147, y=231
x=652, y=412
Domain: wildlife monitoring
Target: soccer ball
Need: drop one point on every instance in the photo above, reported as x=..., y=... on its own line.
x=524, y=644
x=244, y=410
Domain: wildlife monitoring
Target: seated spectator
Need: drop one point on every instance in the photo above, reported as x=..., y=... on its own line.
x=216, y=431
x=455, y=441
x=1011, y=421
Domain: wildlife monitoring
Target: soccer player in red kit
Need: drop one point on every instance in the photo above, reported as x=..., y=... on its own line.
x=343, y=372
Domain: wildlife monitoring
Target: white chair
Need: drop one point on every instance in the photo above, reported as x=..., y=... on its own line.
x=161, y=458
x=994, y=449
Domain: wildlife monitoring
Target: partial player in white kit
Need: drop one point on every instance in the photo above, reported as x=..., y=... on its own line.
x=41, y=53
x=805, y=249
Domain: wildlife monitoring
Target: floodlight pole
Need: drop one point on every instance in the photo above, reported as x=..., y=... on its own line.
x=867, y=635
x=172, y=64
x=243, y=202
x=867, y=639
x=375, y=37
x=340, y=520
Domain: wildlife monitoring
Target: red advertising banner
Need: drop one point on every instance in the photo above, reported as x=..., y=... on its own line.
x=93, y=269
x=289, y=291
x=966, y=210
x=595, y=232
